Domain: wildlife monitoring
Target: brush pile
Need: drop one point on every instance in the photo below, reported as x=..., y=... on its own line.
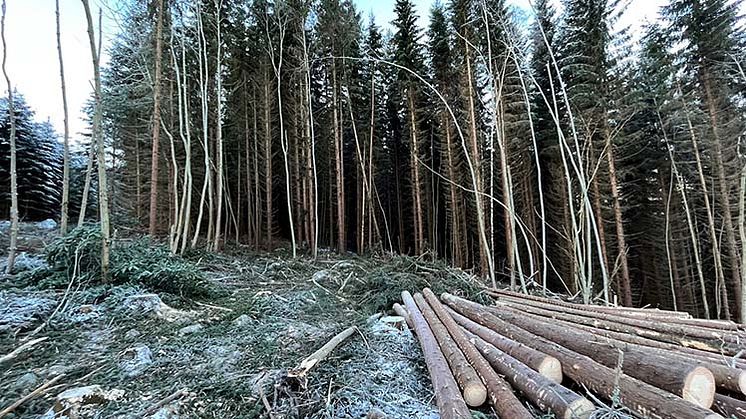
x=647, y=362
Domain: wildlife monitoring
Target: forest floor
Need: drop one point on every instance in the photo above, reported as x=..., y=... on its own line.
x=225, y=354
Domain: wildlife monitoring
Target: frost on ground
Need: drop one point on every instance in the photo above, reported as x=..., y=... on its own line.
x=128, y=352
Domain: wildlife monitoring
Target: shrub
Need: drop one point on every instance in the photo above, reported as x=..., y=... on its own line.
x=78, y=255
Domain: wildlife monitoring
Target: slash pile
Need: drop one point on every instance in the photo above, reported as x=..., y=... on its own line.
x=658, y=364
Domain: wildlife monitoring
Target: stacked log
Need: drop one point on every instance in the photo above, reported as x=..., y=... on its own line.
x=655, y=363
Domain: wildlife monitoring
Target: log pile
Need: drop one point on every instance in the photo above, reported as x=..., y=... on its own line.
x=558, y=356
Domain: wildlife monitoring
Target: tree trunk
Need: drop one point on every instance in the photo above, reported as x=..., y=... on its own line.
x=729, y=407
x=103, y=196
x=541, y=391
x=66, y=152
x=624, y=283
x=723, y=194
x=12, y=248
x=153, y=218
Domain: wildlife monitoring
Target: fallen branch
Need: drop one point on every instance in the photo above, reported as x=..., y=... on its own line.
x=20, y=349
x=40, y=390
x=154, y=408
x=312, y=360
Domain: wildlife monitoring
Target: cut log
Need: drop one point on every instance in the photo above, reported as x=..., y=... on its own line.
x=650, y=314
x=541, y=391
x=726, y=377
x=451, y=404
x=644, y=399
x=506, y=404
x=663, y=326
x=659, y=331
x=682, y=378
x=401, y=311
x=729, y=407
x=474, y=391
x=630, y=311
x=546, y=365
x=704, y=356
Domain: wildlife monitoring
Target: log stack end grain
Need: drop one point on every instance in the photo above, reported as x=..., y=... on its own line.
x=699, y=387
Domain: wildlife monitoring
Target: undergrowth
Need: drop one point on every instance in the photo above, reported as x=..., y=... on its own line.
x=77, y=256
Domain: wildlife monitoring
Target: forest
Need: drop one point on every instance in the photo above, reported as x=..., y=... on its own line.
x=564, y=153
x=546, y=150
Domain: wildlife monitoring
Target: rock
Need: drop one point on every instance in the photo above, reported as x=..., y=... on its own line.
x=26, y=381
x=166, y=412
x=320, y=276
x=242, y=320
x=190, y=329
x=74, y=402
x=132, y=334
x=48, y=224
x=376, y=414
x=151, y=305
x=136, y=360
x=86, y=308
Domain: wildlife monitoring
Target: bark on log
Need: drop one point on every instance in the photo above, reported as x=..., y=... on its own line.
x=546, y=365
x=629, y=311
x=662, y=325
x=643, y=315
x=401, y=311
x=474, y=391
x=541, y=391
x=644, y=399
x=729, y=407
x=450, y=403
x=704, y=356
x=685, y=379
x=726, y=377
x=501, y=395
x=673, y=334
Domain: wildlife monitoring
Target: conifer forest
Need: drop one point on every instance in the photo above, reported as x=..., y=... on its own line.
x=262, y=179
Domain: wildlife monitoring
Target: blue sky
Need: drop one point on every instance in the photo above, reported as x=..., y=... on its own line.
x=32, y=48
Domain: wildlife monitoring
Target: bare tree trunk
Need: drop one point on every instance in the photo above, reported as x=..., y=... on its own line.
x=66, y=153
x=153, y=218
x=624, y=284
x=218, y=126
x=277, y=67
x=339, y=168
x=417, y=184
x=314, y=207
x=103, y=196
x=12, y=248
x=268, y=161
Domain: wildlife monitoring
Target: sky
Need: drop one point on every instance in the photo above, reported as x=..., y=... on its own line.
x=33, y=64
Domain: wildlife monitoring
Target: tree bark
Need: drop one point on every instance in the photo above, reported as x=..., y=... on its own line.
x=540, y=390
x=66, y=152
x=153, y=217
x=474, y=391
x=98, y=138
x=546, y=365
x=13, y=247
x=729, y=407
x=450, y=403
x=506, y=404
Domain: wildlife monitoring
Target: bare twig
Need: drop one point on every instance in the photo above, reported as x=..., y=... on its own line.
x=40, y=390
